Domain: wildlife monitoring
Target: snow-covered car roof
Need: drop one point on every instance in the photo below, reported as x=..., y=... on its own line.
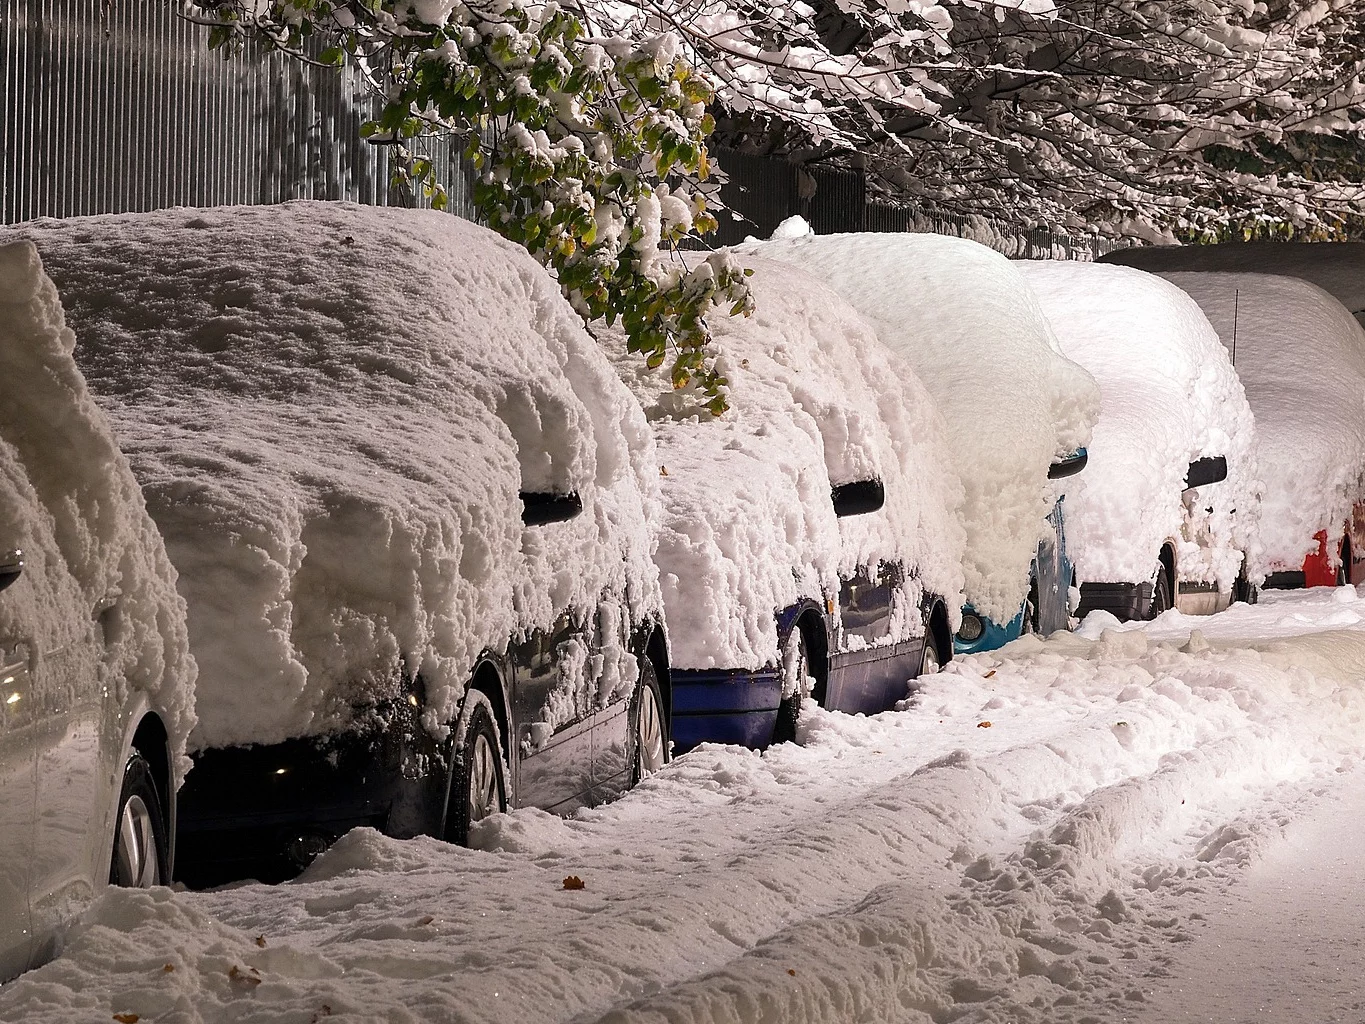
x=68, y=500
x=965, y=320
x=748, y=526
x=1335, y=267
x=1301, y=357
x=332, y=409
x=1170, y=396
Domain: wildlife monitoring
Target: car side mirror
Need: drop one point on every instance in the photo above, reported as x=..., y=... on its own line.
x=11, y=567
x=1068, y=466
x=541, y=507
x=1206, y=471
x=858, y=498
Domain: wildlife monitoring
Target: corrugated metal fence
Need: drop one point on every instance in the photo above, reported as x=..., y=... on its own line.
x=118, y=106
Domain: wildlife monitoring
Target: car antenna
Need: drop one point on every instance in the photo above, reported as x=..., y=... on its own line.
x=1236, y=296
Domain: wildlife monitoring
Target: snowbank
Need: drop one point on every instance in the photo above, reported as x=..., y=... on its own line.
x=1301, y=357
x=1335, y=267
x=68, y=500
x=1170, y=396
x=964, y=319
x=331, y=409
x=748, y=527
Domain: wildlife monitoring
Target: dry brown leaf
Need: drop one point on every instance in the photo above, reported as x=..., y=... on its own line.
x=168, y=968
x=989, y=674
x=425, y=919
x=260, y=941
x=573, y=882
x=237, y=974
x=983, y=725
x=791, y=972
x=126, y=1018
x=326, y=1011
x=663, y=471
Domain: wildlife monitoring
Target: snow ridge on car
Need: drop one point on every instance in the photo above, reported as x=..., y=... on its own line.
x=332, y=410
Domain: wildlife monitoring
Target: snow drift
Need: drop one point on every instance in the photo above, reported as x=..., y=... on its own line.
x=1301, y=357
x=748, y=527
x=68, y=500
x=964, y=319
x=1170, y=396
x=332, y=409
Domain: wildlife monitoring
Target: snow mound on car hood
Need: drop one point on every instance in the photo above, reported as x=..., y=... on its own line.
x=748, y=526
x=964, y=319
x=331, y=409
x=1170, y=396
x=1301, y=357
x=92, y=555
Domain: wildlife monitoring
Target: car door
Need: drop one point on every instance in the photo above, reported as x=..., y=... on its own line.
x=18, y=781
x=868, y=673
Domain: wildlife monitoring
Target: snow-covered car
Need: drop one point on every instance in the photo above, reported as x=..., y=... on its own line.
x=1336, y=267
x=808, y=543
x=409, y=503
x=96, y=680
x=962, y=317
x=1301, y=356
x=1168, y=506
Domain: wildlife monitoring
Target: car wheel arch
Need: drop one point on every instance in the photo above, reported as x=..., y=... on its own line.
x=938, y=626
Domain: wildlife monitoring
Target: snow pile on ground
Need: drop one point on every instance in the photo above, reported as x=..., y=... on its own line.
x=748, y=527
x=1336, y=267
x=1301, y=357
x=68, y=500
x=965, y=320
x=1024, y=844
x=1170, y=396
x=331, y=409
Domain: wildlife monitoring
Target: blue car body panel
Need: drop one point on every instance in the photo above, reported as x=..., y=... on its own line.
x=993, y=634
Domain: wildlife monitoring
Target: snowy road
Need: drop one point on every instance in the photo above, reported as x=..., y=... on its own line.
x=1090, y=828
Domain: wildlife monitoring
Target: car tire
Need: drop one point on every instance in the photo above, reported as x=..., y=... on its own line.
x=1161, y=592
x=931, y=661
x=478, y=781
x=141, y=851
x=1344, y=569
x=648, y=725
x=789, y=710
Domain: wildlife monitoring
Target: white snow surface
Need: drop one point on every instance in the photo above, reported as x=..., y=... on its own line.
x=965, y=320
x=1170, y=396
x=331, y=409
x=68, y=500
x=1301, y=357
x=748, y=527
x=1035, y=840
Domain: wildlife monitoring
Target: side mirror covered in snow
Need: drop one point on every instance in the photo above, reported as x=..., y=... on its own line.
x=1208, y=470
x=858, y=498
x=1068, y=466
x=541, y=507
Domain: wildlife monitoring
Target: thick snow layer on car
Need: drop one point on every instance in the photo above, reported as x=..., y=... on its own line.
x=68, y=500
x=331, y=409
x=1170, y=396
x=1336, y=267
x=748, y=527
x=914, y=866
x=1301, y=357
x=965, y=320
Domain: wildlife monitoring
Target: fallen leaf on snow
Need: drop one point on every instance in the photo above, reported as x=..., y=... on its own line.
x=791, y=972
x=168, y=968
x=983, y=725
x=425, y=919
x=573, y=882
x=260, y=941
x=126, y=1018
x=989, y=674
x=663, y=471
x=237, y=974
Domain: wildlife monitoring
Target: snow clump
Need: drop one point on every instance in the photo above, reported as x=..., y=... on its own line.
x=331, y=409
x=964, y=319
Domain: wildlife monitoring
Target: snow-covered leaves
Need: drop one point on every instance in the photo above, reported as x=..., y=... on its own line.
x=588, y=145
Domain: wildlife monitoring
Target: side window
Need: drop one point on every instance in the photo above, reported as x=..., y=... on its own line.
x=866, y=604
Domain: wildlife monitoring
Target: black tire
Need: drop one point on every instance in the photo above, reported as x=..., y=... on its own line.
x=789, y=711
x=1031, y=608
x=931, y=661
x=1344, y=569
x=648, y=725
x=140, y=857
x=478, y=784
x=1161, y=592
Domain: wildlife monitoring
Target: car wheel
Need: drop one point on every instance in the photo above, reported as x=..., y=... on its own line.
x=1161, y=593
x=1344, y=569
x=648, y=726
x=1030, y=624
x=478, y=787
x=789, y=711
x=140, y=847
x=932, y=659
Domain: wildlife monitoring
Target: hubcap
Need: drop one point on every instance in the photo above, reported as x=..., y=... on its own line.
x=483, y=780
x=650, y=735
x=930, y=664
x=138, y=863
